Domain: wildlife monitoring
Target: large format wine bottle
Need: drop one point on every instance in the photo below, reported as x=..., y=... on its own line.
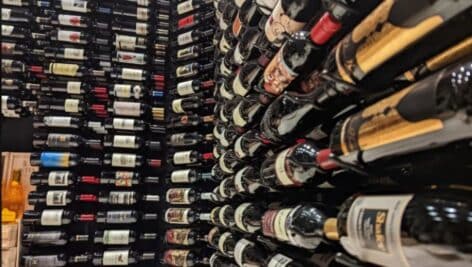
x=406, y=230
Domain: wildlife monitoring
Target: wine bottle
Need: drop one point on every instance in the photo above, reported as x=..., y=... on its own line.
x=187, y=196
x=58, y=198
x=193, y=36
x=71, y=20
x=79, y=6
x=127, y=160
x=301, y=226
x=129, y=74
x=229, y=162
x=60, y=159
x=249, y=145
x=293, y=167
x=15, y=31
x=186, y=104
x=16, y=15
x=183, y=236
x=123, y=217
x=223, y=216
x=226, y=189
x=54, y=178
x=68, y=87
x=226, y=243
x=247, y=217
x=121, y=257
x=121, y=237
x=125, y=178
x=194, y=20
x=218, y=150
x=246, y=180
x=131, y=27
x=125, y=124
x=10, y=66
x=191, y=87
x=430, y=220
x=54, y=217
x=125, y=198
x=192, y=120
x=188, y=176
x=245, y=49
x=69, y=105
x=279, y=259
x=192, y=69
x=190, y=157
x=137, y=13
x=127, y=57
x=217, y=260
x=51, y=238
x=131, y=142
x=184, y=216
x=249, y=110
x=14, y=49
x=53, y=260
x=249, y=253
x=191, y=5
x=59, y=140
x=185, y=139
x=182, y=257
x=129, y=42
x=127, y=108
x=194, y=51
x=57, y=122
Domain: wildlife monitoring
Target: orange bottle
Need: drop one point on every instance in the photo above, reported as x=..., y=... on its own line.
x=14, y=199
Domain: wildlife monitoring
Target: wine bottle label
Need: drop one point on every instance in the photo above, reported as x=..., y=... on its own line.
x=58, y=178
x=221, y=242
x=74, y=5
x=185, y=52
x=223, y=166
x=238, y=58
x=176, y=257
x=278, y=75
x=184, y=38
x=120, y=217
x=123, y=124
x=225, y=70
x=221, y=215
x=132, y=74
x=68, y=36
x=216, y=152
x=222, y=188
x=178, y=196
x=7, y=67
x=8, y=48
x=57, y=121
x=123, y=160
x=211, y=236
x=42, y=260
x=177, y=215
x=74, y=53
x=7, y=30
x=374, y=230
x=178, y=236
x=178, y=139
x=274, y=223
x=183, y=157
x=122, y=90
x=124, y=141
x=214, y=215
x=55, y=159
x=224, y=91
x=141, y=28
x=59, y=140
x=180, y=176
x=279, y=260
x=122, y=197
x=12, y=2
x=64, y=69
x=186, y=70
x=127, y=108
x=239, y=249
x=124, y=179
x=185, y=88
x=287, y=177
x=130, y=57
x=6, y=13
x=115, y=258
x=56, y=198
x=143, y=2
x=142, y=13
x=222, y=24
x=177, y=106
x=46, y=237
x=51, y=217
x=69, y=20
x=71, y=105
x=224, y=45
x=237, y=116
x=73, y=87
x=116, y=237
x=239, y=219
x=184, y=7
x=125, y=42
x=279, y=23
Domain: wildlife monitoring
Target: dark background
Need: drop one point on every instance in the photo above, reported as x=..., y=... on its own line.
x=16, y=134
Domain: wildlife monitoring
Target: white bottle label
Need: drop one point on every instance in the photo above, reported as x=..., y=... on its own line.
x=142, y=13
x=279, y=260
x=143, y=2
x=238, y=217
x=51, y=217
x=223, y=166
x=374, y=234
x=280, y=170
x=221, y=215
x=238, y=58
x=12, y=2
x=237, y=116
x=74, y=53
x=56, y=198
x=130, y=57
x=180, y=176
x=58, y=178
x=224, y=70
x=6, y=13
x=73, y=87
x=185, y=88
x=125, y=42
x=177, y=215
x=183, y=157
x=132, y=74
x=178, y=196
x=116, y=237
x=127, y=108
x=239, y=250
x=74, y=5
x=124, y=179
x=238, y=86
x=123, y=160
x=184, y=38
x=141, y=28
x=122, y=197
x=222, y=240
x=71, y=105
x=115, y=258
x=68, y=36
x=224, y=45
x=122, y=90
x=184, y=7
x=58, y=121
x=123, y=124
x=124, y=141
x=69, y=20
x=177, y=106
x=7, y=30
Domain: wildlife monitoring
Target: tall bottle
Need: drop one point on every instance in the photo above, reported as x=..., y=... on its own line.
x=249, y=253
x=61, y=159
x=188, y=176
x=120, y=257
x=187, y=196
x=121, y=237
x=182, y=258
x=183, y=236
x=184, y=216
x=190, y=157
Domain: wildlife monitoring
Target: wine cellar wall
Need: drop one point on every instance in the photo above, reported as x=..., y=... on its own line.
x=246, y=133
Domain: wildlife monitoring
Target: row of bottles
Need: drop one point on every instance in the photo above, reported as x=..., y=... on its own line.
x=100, y=91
